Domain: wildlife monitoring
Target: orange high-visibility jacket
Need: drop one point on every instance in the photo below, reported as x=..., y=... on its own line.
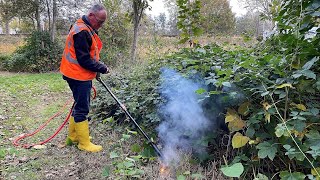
x=70, y=67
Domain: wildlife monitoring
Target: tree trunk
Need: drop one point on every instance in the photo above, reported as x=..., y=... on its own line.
x=258, y=27
x=7, y=29
x=54, y=19
x=37, y=14
x=135, y=30
x=49, y=14
x=138, y=7
x=134, y=43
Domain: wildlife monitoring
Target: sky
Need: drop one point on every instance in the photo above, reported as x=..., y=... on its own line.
x=158, y=7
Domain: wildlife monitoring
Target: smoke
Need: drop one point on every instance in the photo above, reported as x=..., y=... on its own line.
x=183, y=122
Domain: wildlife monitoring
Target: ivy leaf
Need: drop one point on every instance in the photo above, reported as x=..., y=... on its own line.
x=282, y=95
x=226, y=84
x=113, y=155
x=266, y=149
x=281, y=130
x=200, y=91
x=310, y=63
x=314, y=111
x=239, y=140
x=306, y=72
x=244, y=108
x=233, y=171
x=293, y=153
x=298, y=125
x=313, y=172
x=261, y=177
x=236, y=125
x=235, y=122
x=299, y=106
x=106, y=171
x=313, y=138
x=315, y=151
x=197, y=176
x=285, y=175
x=126, y=136
x=284, y=85
x=231, y=115
x=181, y=177
x=128, y=164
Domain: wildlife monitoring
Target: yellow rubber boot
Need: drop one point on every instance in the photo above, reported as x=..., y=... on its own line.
x=72, y=135
x=82, y=130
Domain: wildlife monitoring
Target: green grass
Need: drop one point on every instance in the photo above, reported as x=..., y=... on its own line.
x=19, y=84
x=27, y=101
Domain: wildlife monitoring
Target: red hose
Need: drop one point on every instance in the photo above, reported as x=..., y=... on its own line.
x=23, y=136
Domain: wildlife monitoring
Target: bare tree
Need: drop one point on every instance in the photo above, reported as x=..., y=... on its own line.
x=263, y=8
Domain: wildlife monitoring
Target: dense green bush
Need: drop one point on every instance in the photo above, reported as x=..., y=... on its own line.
x=274, y=132
x=39, y=54
x=3, y=60
x=137, y=89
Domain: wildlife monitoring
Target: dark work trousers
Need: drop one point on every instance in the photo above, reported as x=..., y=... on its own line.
x=81, y=95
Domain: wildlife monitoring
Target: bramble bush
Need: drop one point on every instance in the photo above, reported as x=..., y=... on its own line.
x=274, y=132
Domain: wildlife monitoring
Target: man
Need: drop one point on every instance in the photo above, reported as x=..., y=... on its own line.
x=79, y=66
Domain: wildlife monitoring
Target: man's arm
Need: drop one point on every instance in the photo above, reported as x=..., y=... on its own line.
x=82, y=44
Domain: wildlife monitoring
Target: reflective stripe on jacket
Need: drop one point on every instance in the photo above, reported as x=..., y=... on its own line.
x=70, y=67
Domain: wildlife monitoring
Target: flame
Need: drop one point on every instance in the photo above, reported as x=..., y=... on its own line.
x=164, y=170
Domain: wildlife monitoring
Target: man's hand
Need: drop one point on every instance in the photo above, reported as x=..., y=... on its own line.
x=105, y=67
x=98, y=76
x=107, y=70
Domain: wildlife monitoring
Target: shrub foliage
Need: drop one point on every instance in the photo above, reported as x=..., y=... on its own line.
x=274, y=131
x=39, y=54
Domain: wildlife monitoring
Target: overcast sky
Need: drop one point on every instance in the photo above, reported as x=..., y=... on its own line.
x=158, y=7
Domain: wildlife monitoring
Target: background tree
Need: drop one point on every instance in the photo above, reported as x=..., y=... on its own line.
x=160, y=22
x=54, y=20
x=138, y=7
x=264, y=11
x=116, y=33
x=172, y=7
x=188, y=20
x=217, y=17
x=264, y=7
x=7, y=12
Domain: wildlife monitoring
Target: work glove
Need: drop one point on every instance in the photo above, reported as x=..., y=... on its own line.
x=105, y=66
x=98, y=76
x=107, y=70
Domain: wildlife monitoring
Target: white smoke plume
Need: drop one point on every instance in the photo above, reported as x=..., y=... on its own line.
x=183, y=118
